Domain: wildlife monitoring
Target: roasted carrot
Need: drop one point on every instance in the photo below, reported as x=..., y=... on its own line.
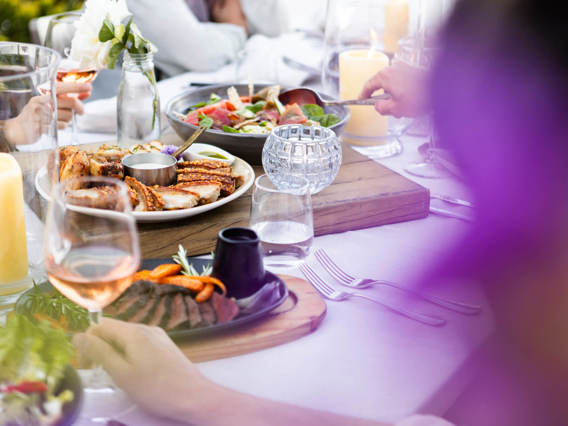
x=205, y=294
x=142, y=275
x=183, y=281
x=207, y=279
x=165, y=270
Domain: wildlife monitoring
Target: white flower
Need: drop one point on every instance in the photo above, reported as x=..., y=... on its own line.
x=86, y=47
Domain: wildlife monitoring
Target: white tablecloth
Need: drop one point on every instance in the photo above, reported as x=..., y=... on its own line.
x=363, y=360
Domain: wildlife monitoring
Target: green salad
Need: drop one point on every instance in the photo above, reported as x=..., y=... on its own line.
x=33, y=358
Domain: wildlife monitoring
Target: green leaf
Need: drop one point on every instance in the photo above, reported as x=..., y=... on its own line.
x=329, y=120
x=229, y=129
x=106, y=32
x=256, y=107
x=27, y=346
x=213, y=98
x=205, y=121
x=114, y=54
x=311, y=111
x=126, y=32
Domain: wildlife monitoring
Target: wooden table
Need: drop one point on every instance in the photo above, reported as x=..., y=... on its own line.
x=364, y=194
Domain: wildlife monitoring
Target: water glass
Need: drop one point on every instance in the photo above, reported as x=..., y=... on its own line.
x=283, y=220
x=292, y=151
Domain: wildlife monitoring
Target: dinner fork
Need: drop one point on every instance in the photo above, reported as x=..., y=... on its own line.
x=350, y=281
x=332, y=293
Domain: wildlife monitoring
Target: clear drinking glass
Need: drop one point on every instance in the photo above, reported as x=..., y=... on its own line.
x=293, y=150
x=60, y=32
x=28, y=131
x=91, y=256
x=138, y=101
x=283, y=220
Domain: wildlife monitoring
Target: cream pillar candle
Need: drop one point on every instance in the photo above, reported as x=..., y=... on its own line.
x=13, y=251
x=396, y=24
x=355, y=68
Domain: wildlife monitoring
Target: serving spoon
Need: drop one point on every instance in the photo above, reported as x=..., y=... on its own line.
x=303, y=96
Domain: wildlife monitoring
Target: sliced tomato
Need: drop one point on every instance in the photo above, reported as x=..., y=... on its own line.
x=27, y=387
x=292, y=115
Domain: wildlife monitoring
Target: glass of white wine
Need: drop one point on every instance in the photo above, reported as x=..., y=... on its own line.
x=59, y=35
x=91, y=256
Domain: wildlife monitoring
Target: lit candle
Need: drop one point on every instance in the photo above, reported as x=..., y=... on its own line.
x=13, y=252
x=355, y=68
x=396, y=23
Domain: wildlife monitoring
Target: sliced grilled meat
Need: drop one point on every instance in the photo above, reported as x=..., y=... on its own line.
x=207, y=164
x=207, y=313
x=177, y=198
x=209, y=192
x=226, y=309
x=143, y=195
x=178, y=312
x=193, y=312
x=227, y=182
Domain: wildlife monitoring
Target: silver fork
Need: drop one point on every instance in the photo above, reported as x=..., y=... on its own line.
x=350, y=281
x=332, y=293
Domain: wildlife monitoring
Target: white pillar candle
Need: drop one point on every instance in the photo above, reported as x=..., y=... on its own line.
x=13, y=253
x=396, y=24
x=355, y=68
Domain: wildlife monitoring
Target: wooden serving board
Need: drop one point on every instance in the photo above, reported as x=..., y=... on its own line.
x=364, y=194
x=299, y=315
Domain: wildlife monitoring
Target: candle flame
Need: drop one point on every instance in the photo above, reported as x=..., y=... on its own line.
x=374, y=43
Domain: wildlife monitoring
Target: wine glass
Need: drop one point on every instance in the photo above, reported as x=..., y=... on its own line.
x=59, y=35
x=91, y=256
x=283, y=220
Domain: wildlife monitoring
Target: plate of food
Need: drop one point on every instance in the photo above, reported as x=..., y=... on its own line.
x=37, y=384
x=240, y=123
x=201, y=184
x=176, y=294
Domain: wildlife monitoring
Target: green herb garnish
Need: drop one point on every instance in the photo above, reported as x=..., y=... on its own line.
x=229, y=129
x=54, y=305
x=205, y=121
x=187, y=268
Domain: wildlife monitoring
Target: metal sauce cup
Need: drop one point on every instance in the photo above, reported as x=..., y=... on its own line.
x=151, y=168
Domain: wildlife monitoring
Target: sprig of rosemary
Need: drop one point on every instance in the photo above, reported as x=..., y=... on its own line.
x=187, y=268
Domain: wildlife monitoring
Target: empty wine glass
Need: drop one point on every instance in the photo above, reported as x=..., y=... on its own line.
x=91, y=256
x=283, y=220
x=60, y=33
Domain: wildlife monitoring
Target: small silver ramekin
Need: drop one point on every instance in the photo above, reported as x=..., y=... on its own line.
x=163, y=174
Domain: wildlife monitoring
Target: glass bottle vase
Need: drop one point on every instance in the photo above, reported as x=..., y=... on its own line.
x=138, y=102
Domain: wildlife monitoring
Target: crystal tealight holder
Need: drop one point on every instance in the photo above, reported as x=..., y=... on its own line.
x=295, y=150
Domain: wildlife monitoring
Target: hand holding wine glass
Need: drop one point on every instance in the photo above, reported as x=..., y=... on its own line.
x=91, y=257
x=72, y=78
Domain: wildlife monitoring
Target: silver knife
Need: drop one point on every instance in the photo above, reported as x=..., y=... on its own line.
x=452, y=200
x=447, y=213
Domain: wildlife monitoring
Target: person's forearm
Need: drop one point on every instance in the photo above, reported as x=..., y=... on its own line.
x=218, y=406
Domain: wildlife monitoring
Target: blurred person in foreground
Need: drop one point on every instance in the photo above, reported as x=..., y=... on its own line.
x=499, y=96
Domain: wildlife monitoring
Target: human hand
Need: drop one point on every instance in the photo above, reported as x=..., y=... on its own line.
x=406, y=85
x=69, y=97
x=147, y=365
x=33, y=120
x=228, y=12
